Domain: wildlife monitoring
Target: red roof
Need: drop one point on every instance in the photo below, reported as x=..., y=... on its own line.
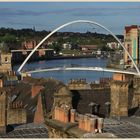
x=128, y=28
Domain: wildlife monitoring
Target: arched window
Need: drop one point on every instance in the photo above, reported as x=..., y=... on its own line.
x=6, y=59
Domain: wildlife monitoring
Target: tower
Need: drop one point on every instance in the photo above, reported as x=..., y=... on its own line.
x=119, y=98
x=5, y=61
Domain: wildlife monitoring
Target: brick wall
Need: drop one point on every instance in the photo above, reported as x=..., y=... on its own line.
x=36, y=89
x=118, y=77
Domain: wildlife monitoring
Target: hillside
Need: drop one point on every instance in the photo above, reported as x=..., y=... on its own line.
x=14, y=37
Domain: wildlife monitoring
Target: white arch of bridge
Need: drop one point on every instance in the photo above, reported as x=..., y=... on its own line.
x=73, y=22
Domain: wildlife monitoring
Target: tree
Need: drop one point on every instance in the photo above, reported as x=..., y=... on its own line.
x=56, y=46
x=4, y=47
x=8, y=38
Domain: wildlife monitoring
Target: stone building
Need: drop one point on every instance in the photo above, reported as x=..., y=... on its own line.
x=35, y=100
x=11, y=112
x=5, y=62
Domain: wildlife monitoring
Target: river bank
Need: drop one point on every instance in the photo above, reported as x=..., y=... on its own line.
x=56, y=57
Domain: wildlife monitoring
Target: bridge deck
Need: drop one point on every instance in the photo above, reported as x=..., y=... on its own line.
x=82, y=69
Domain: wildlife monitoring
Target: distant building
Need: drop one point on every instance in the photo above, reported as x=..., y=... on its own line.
x=39, y=54
x=88, y=49
x=29, y=44
x=132, y=43
x=11, y=112
x=66, y=46
x=113, y=45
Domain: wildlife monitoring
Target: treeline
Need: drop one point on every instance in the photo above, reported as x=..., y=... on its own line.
x=12, y=38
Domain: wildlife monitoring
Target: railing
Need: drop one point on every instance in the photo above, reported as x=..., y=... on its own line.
x=83, y=69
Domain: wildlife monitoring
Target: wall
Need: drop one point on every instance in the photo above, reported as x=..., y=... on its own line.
x=16, y=116
x=82, y=98
x=39, y=116
x=131, y=43
x=20, y=55
x=2, y=113
x=36, y=89
x=119, y=98
x=5, y=64
x=118, y=77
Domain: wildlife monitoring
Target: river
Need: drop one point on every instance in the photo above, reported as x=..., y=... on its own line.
x=65, y=76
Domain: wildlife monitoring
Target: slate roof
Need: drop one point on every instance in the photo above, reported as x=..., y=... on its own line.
x=22, y=92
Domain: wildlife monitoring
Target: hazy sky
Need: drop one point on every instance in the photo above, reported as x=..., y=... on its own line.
x=49, y=15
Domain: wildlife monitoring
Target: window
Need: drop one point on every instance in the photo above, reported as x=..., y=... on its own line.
x=6, y=59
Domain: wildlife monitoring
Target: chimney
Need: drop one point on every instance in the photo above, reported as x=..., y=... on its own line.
x=36, y=89
x=93, y=122
x=100, y=124
x=1, y=83
x=85, y=122
x=81, y=122
x=72, y=115
x=66, y=116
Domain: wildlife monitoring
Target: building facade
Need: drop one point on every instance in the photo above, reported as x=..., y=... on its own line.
x=29, y=44
x=132, y=43
x=5, y=62
x=40, y=54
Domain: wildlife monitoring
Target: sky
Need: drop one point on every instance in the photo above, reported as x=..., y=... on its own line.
x=49, y=15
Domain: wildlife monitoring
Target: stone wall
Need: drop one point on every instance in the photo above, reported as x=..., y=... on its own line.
x=82, y=98
x=136, y=90
x=119, y=98
x=5, y=62
x=3, y=112
x=16, y=116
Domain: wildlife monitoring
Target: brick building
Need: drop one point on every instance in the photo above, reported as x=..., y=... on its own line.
x=132, y=43
x=10, y=112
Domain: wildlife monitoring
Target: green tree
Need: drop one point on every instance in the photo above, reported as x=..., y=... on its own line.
x=8, y=38
x=56, y=46
x=4, y=47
